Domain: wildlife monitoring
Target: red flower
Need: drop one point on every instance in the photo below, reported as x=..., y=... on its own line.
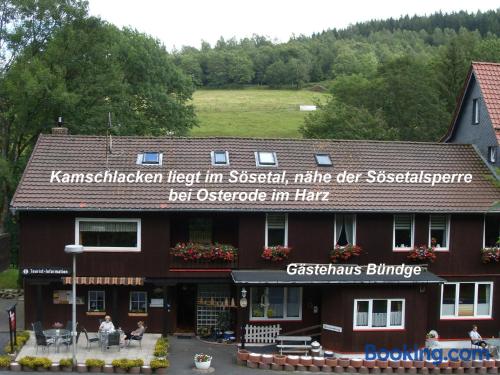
x=344, y=252
x=422, y=253
x=276, y=253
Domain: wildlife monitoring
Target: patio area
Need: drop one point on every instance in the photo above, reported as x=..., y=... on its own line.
x=133, y=351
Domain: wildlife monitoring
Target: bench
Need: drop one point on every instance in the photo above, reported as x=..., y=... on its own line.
x=294, y=344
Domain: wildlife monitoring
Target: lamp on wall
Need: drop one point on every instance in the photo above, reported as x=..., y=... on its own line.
x=243, y=299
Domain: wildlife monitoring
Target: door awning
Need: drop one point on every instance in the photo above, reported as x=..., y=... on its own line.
x=107, y=280
x=281, y=277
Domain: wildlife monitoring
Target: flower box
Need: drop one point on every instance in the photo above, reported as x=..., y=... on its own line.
x=490, y=255
x=192, y=251
x=276, y=253
x=343, y=253
x=422, y=253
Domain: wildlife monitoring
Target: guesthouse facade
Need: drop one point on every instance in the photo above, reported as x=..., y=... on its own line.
x=185, y=262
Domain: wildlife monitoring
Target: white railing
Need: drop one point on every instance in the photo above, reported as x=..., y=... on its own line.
x=261, y=334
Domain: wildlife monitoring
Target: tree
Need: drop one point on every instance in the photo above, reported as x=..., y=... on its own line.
x=276, y=74
x=336, y=120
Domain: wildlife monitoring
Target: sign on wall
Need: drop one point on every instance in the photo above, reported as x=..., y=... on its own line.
x=329, y=327
x=65, y=297
x=45, y=271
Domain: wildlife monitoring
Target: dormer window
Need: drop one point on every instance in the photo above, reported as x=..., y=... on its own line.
x=492, y=154
x=220, y=158
x=266, y=159
x=150, y=158
x=323, y=160
x=475, y=111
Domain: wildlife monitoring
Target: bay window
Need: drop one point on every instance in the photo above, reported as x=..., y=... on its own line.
x=466, y=300
x=108, y=234
x=379, y=314
x=345, y=230
x=276, y=303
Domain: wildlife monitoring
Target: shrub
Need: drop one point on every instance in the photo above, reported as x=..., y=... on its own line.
x=91, y=362
x=161, y=347
x=159, y=363
x=4, y=361
x=42, y=362
x=66, y=362
x=137, y=362
x=126, y=364
x=27, y=361
x=21, y=338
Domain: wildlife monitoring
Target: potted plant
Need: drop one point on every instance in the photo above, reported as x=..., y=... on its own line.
x=66, y=364
x=192, y=251
x=431, y=339
x=422, y=253
x=121, y=365
x=161, y=347
x=94, y=365
x=490, y=254
x=276, y=253
x=343, y=253
x=27, y=363
x=202, y=361
x=42, y=363
x=4, y=362
x=135, y=365
x=159, y=366
x=57, y=325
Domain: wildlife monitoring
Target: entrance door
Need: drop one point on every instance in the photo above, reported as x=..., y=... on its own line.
x=186, y=308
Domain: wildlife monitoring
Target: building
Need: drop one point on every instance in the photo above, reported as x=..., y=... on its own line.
x=128, y=230
x=476, y=119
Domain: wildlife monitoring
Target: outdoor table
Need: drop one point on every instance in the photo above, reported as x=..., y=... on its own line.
x=56, y=334
x=103, y=337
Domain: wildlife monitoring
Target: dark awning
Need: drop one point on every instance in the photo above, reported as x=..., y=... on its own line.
x=270, y=277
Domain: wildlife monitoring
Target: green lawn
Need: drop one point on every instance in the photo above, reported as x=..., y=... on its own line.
x=8, y=278
x=251, y=112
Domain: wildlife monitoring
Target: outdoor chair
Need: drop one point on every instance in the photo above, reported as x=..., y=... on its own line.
x=43, y=341
x=137, y=338
x=90, y=340
x=114, y=339
x=37, y=327
x=68, y=340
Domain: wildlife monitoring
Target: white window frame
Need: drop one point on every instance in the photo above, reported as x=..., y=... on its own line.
x=285, y=242
x=103, y=300
x=212, y=155
x=369, y=327
x=448, y=223
x=354, y=222
x=492, y=154
x=457, y=300
x=285, y=303
x=140, y=159
x=484, y=231
x=475, y=111
x=136, y=248
x=396, y=249
x=257, y=159
x=130, y=300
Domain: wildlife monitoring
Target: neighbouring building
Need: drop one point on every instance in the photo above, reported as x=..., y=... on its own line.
x=476, y=119
x=129, y=271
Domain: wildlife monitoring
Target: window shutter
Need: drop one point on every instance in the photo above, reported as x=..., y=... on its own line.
x=402, y=222
x=107, y=226
x=438, y=222
x=276, y=221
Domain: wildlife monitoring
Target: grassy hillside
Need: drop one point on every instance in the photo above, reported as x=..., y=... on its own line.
x=251, y=112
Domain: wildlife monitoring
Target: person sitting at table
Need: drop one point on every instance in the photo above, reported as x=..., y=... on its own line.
x=476, y=338
x=107, y=325
x=137, y=332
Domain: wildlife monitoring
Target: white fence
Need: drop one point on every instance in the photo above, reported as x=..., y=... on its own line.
x=261, y=334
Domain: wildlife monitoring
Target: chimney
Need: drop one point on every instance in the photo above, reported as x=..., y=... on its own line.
x=59, y=129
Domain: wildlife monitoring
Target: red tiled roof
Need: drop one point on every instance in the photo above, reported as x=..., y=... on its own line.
x=74, y=154
x=488, y=75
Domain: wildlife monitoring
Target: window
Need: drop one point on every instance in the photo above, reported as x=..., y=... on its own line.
x=200, y=230
x=108, y=234
x=492, y=154
x=439, y=231
x=276, y=230
x=475, y=111
x=97, y=300
x=266, y=159
x=323, y=160
x=138, y=302
x=345, y=230
x=403, y=232
x=276, y=303
x=150, y=158
x=220, y=158
x=491, y=231
x=379, y=314
x=466, y=300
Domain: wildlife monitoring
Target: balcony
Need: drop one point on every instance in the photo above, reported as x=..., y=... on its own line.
x=203, y=256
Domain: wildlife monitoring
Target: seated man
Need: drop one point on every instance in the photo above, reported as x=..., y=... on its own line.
x=107, y=325
x=476, y=338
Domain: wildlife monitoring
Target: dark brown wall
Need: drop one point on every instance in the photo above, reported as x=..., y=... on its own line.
x=338, y=305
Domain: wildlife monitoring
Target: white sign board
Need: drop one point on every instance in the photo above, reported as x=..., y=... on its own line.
x=307, y=107
x=329, y=327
